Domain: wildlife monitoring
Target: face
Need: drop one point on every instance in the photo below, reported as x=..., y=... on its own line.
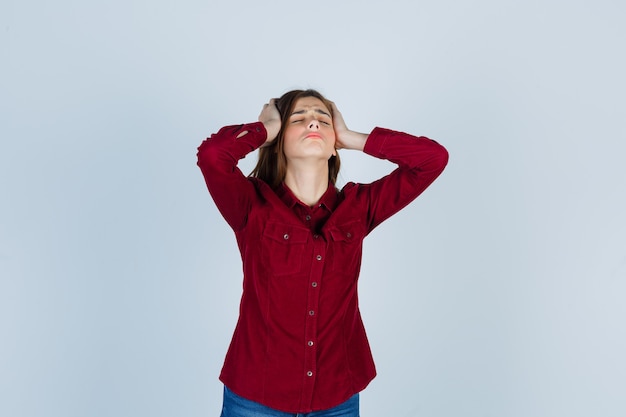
x=309, y=132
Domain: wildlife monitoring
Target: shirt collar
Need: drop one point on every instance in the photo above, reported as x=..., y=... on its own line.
x=328, y=200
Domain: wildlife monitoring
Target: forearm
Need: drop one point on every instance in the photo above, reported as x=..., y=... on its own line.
x=225, y=148
x=218, y=157
x=407, y=151
x=353, y=140
x=420, y=161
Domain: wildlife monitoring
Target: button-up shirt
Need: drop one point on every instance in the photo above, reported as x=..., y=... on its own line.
x=300, y=344
x=315, y=216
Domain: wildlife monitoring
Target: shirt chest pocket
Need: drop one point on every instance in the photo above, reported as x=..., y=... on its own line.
x=345, y=247
x=283, y=247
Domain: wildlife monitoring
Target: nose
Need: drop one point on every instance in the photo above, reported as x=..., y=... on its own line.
x=314, y=124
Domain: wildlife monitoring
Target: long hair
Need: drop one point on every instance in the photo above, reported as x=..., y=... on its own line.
x=272, y=164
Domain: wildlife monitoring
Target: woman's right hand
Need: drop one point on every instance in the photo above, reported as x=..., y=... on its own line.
x=270, y=117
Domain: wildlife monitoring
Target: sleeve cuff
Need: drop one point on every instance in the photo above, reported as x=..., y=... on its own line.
x=256, y=135
x=376, y=141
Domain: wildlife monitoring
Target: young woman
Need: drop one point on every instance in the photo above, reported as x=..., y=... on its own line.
x=299, y=345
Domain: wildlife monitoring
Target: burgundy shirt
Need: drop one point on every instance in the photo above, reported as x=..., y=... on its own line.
x=299, y=344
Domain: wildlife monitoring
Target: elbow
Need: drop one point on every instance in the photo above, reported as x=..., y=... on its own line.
x=445, y=156
x=208, y=156
x=441, y=157
x=207, y=151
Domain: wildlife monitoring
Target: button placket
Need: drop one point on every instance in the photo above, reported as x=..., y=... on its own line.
x=313, y=294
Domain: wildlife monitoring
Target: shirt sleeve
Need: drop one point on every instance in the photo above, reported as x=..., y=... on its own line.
x=420, y=160
x=218, y=156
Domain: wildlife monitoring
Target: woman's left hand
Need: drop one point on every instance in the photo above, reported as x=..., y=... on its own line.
x=344, y=137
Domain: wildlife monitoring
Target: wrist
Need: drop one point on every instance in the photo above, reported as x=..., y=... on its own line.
x=272, y=127
x=354, y=140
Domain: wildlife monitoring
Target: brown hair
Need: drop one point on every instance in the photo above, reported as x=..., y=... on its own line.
x=272, y=164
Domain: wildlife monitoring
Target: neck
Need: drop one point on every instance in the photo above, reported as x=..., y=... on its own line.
x=308, y=184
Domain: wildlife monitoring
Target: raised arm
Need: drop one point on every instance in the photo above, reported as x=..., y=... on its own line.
x=420, y=161
x=218, y=156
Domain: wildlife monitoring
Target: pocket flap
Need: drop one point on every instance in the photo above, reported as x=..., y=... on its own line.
x=343, y=233
x=286, y=233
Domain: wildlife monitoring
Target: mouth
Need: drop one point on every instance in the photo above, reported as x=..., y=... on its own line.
x=314, y=136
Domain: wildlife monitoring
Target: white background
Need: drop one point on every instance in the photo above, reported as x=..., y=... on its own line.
x=499, y=292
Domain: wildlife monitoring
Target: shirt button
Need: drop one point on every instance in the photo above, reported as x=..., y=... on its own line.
x=309, y=373
x=308, y=217
x=316, y=236
x=311, y=313
x=314, y=284
x=348, y=235
x=318, y=257
x=285, y=236
x=310, y=343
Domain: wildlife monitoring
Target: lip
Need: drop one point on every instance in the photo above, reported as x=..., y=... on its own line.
x=314, y=136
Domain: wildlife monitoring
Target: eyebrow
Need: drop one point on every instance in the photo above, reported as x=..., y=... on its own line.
x=320, y=111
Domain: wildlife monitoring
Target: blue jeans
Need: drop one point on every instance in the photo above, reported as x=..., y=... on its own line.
x=236, y=406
